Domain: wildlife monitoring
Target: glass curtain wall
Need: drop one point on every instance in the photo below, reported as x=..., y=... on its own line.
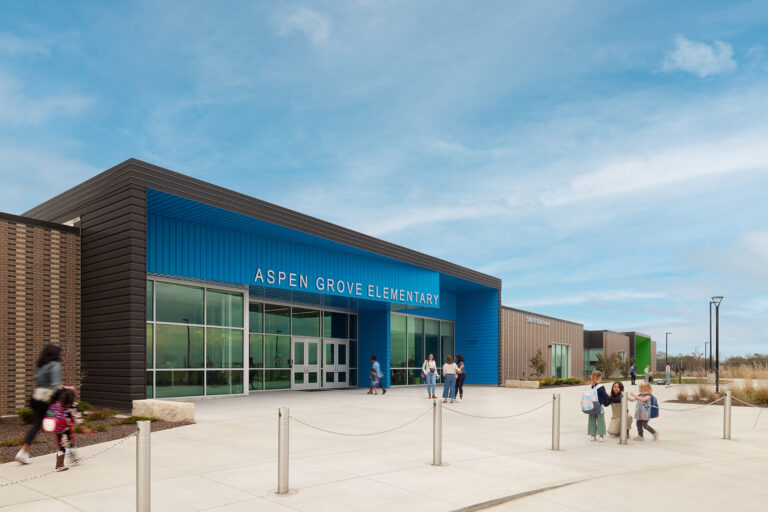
x=271, y=327
x=194, y=340
x=411, y=339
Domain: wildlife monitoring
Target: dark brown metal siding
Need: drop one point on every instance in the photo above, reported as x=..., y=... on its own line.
x=112, y=213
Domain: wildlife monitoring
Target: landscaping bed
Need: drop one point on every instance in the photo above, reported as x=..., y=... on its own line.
x=106, y=428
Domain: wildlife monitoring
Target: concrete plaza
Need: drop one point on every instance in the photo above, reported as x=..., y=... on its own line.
x=227, y=461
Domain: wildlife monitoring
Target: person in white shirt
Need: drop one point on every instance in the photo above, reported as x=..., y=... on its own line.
x=450, y=370
x=429, y=373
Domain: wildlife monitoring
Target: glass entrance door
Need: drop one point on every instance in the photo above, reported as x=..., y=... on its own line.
x=561, y=361
x=335, y=363
x=305, y=366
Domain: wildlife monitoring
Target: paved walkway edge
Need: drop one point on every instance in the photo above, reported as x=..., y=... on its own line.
x=512, y=497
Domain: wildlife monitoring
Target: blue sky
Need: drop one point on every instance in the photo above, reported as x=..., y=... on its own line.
x=607, y=160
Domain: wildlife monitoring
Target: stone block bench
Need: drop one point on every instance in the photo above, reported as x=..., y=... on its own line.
x=524, y=384
x=164, y=410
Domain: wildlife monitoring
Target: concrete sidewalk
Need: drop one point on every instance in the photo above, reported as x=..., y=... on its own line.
x=227, y=461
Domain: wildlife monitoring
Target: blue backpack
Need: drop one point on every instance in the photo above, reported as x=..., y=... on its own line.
x=654, y=407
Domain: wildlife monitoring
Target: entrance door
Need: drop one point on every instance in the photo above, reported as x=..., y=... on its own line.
x=336, y=363
x=305, y=370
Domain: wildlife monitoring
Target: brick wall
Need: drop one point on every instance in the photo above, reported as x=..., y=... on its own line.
x=39, y=303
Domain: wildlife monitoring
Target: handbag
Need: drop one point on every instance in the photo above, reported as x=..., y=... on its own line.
x=42, y=395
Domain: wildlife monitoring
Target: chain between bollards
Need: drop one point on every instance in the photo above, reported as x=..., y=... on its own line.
x=727, y=415
x=283, y=420
x=556, y=422
x=143, y=466
x=437, y=433
x=624, y=427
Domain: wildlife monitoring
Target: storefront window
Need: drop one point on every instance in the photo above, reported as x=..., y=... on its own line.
x=397, y=342
x=224, y=348
x=306, y=322
x=411, y=340
x=446, y=340
x=150, y=301
x=335, y=325
x=256, y=351
x=255, y=317
x=561, y=361
x=225, y=382
x=277, y=319
x=150, y=355
x=432, y=340
x=179, y=383
x=178, y=303
x=277, y=379
x=179, y=346
x=224, y=309
x=277, y=351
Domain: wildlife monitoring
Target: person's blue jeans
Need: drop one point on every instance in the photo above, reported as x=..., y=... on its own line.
x=449, y=386
x=431, y=383
x=667, y=379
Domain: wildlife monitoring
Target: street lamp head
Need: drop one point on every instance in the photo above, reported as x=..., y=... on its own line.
x=669, y=333
x=717, y=300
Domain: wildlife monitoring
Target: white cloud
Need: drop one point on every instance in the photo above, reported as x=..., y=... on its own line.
x=313, y=25
x=583, y=298
x=664, y=167
x=17, y=107
x=757, y=241
x=699, y=58
x=15, y=46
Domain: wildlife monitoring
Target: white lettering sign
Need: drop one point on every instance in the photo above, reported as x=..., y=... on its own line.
x=534, y=320
x=350, y=288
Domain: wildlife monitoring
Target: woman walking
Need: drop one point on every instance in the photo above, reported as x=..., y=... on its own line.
x=460, y=377
x=48, y=379
x=614, y=427
x=429, y=370
x=449, y=379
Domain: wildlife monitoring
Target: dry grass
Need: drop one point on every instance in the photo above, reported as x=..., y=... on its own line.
x=745, y=371
x=699, y=393
x=751, y=391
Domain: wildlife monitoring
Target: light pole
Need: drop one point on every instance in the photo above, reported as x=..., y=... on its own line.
x=710, y=334
x=666, y=349
x=716, y=301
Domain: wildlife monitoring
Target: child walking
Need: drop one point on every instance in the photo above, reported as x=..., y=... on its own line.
x=596, y=422
x=643, y=410
x=60, y=420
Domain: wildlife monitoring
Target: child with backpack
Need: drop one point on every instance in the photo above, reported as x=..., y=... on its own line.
x=592, y=402
x=60, y=420
x=647, y=407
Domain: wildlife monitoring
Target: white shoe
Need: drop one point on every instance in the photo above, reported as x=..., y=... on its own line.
x=592, y=438
x=458, y=399
x=601, y=439
x=74, y=458
x=23, y=457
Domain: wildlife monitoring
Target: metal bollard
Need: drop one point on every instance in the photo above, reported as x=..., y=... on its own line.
x=437, y=433
x=283, y=418
x=727, y=416
x=556, y=422
x=624, y=426
x=143, y=466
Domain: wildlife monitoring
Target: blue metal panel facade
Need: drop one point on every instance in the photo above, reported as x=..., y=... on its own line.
x=446, y=311
x=177, y=247
x=373, y=339
x=477, y=335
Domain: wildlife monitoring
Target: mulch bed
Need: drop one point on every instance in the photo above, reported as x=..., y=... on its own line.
x=44, y=443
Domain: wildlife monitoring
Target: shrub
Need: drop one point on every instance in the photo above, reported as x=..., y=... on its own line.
x=607, y=364
x=83, y=406
x=538, y=364
x=131, y=420
x=751, y=392
x=25, y=415
x=682, y=394
x=99, y=428
x=101, y=415
x=14, y=441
